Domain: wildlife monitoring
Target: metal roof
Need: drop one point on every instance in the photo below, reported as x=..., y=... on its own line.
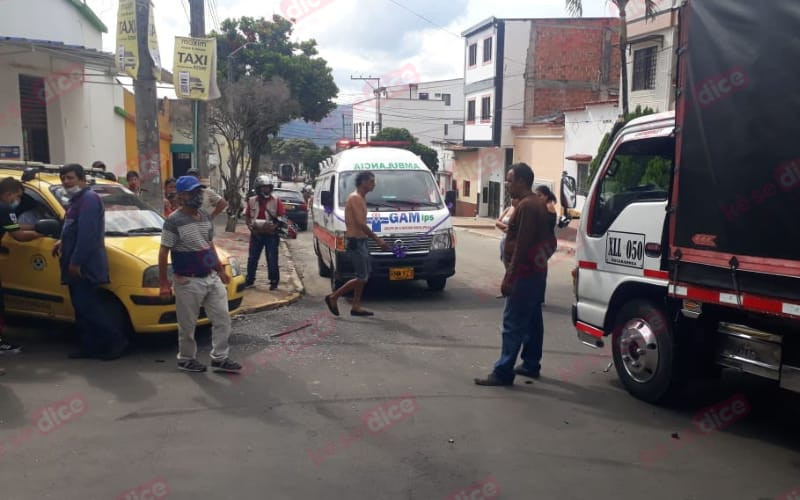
x=90, y=57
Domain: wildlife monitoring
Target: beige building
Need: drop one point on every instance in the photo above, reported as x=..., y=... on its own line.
x=541, y=145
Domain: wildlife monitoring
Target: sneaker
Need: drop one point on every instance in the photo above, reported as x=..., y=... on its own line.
x=226, y=365
x=191, y=365
x=6, y=348
x=273, y=286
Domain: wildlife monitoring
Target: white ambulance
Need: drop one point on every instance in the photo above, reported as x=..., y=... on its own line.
x=405, y=210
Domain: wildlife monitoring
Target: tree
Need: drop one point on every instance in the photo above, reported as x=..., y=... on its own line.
x=606, y=142
x=575, y=7
x=300, y=152
x=270, y=53
x=247, y=111
x=429, y=156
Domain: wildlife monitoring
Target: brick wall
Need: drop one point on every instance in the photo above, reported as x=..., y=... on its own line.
x=571, y=62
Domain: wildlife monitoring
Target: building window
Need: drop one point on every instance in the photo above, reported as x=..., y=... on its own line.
x=473, y=54
x=445, y=129
x=423, y=96
x=446, y=99
x=466, y=188
x=486, y=109
x=583, y=179
x=644, y=68
x=487, y=50
x=471, y=111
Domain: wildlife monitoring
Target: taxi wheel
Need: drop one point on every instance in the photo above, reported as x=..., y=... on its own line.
x=118, y=315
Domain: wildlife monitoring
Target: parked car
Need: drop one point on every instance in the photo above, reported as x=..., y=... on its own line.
x=296, y=206
x=31, y=276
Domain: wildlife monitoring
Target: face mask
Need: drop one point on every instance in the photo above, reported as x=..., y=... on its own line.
x=72, y=191
x=14, y=204
x=196, y=200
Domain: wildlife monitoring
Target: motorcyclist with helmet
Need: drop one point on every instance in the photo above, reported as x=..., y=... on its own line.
x=261, y=216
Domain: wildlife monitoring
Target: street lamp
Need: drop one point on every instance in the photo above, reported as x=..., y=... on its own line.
x=230, y=60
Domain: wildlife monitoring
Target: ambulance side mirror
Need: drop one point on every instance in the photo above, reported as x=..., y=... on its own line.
x=327, y=199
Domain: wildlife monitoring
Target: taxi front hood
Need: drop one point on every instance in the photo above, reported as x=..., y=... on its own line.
x=145, y=248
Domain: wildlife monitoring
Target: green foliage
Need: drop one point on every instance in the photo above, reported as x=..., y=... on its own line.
x=429, y=156
x=606, y=142
x=272, y=53
x=297, y=151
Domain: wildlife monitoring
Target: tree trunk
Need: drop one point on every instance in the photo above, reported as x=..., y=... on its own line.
x=255, y=164
x=623, y=53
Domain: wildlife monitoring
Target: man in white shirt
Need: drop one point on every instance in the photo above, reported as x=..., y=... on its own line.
x=213, y=203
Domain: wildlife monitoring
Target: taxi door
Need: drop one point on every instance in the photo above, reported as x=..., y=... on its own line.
x=30, y=274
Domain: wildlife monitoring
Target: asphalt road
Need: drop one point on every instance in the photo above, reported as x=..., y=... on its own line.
x=377, y=408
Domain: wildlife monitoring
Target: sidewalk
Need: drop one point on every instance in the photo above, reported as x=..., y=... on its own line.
x=259, y=297
x=566, y=236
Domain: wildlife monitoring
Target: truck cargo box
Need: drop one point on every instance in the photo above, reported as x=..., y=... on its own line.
x=736, y=200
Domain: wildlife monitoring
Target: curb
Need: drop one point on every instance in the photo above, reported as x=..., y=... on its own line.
x=294, y=278
x=564, y=246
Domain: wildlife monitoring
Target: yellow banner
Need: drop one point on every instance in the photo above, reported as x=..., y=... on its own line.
x=152, y=45
x=127, y=50
x=195, y=68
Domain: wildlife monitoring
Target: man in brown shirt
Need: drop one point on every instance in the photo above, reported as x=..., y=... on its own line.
x=529, y=243
x=358, y=232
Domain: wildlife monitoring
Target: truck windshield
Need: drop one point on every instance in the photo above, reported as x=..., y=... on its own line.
x=395, y=189
x=126, y=215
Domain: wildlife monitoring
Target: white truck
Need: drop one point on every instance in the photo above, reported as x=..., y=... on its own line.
x=688, y=252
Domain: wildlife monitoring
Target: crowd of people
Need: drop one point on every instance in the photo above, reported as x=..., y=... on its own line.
x=199, y=278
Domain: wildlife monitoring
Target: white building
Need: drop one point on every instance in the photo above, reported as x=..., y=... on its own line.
x=57, y=91
x=652, y=62
x=433, y=112
x=584, y=129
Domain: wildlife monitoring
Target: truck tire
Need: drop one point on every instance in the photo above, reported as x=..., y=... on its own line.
x=649, y=361
x=324, y=271
x=436, y=284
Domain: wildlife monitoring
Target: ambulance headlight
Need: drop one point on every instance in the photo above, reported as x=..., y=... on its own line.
x=442, y=240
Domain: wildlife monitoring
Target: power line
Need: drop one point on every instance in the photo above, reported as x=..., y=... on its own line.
x=425, y=19
x=186, y=11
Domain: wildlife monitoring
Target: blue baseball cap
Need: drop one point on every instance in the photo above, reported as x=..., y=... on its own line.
x=187, y=183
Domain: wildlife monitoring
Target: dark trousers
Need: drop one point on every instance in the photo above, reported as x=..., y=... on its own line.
x=523, y=327
x=98, y=333
x=268, y=243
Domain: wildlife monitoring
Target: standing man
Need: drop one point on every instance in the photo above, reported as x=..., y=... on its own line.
x=355, y=219
x=99, y=165
x=134, y=183
x=262, y=210
x=213, y=203
x=199, y=279
x=10, y=196
x=529, y=243
x=84, y=267
x=170, y=197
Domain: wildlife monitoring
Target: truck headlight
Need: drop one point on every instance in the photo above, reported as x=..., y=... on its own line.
x=235, y=269
x=442, y=240
x=150, y=278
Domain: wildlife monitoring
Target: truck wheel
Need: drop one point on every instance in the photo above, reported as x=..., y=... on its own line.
x=436, y=284
x=647, y=358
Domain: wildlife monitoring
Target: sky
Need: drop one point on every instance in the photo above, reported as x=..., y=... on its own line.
x=402, y=41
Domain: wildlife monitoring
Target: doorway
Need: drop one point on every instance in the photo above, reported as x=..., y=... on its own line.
x=493, y=199
x=181, y=163
x=33, y=114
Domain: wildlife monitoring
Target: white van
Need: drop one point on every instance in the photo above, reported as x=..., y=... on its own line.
x=405, y=209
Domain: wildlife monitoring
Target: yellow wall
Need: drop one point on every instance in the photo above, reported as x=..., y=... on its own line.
x=541, y=147
x=164, y=132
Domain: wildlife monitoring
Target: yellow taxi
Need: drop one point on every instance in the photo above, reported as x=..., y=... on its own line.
x=31, y=276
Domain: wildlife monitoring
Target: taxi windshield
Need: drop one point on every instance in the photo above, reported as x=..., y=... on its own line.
x=408, y=190
x=126, y=215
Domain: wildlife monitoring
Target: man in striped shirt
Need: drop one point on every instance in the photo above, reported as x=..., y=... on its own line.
x=199, y=279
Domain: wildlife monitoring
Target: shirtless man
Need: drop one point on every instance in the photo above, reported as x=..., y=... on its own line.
x=355, y=218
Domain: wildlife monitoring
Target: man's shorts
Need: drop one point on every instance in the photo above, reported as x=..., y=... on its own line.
x=358, y=252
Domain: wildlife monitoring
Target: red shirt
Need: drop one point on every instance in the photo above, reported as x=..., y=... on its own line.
x=262, y=207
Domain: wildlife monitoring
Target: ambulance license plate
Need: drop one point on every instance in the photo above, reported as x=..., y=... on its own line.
x=401, y=273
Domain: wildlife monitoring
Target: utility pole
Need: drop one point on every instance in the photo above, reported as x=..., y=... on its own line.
x=147, y=139
x=377, y=93
x=200, y=136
